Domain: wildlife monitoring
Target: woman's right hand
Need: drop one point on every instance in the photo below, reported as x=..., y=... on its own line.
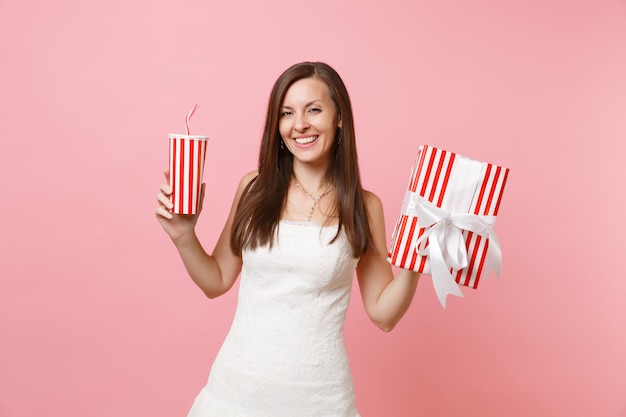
x=175, y=225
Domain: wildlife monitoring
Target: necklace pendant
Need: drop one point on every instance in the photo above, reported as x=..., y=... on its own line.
x=315, y=199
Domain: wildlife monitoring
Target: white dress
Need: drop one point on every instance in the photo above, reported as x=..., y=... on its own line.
x=284, y=355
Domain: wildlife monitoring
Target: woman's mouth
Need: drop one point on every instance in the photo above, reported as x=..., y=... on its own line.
x=306, y=140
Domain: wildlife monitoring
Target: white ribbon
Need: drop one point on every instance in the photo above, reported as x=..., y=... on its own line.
x=446, y=246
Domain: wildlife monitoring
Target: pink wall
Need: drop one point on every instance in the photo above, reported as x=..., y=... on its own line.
x=97, y=316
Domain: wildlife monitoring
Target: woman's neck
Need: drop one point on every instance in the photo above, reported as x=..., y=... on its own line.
x=313, y=179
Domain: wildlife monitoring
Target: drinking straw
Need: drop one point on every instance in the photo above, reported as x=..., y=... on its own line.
x=191, y=112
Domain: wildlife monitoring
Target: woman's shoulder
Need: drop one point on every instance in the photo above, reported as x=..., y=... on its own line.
x=245, y=182
x=247, y=179
x=372, y=202
x=369, y=198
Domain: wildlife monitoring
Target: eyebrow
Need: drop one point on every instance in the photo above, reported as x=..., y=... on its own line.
x=306, y=105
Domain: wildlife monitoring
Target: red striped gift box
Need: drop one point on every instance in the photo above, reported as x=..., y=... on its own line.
x=445, y=228
x=187, y=155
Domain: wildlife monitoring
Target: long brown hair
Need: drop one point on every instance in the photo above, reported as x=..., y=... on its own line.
x=262, y=202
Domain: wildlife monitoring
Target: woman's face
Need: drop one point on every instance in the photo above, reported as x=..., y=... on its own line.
x=308, y=121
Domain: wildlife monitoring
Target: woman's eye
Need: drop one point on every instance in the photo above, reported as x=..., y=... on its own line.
x=285, y=113
x=315, y=110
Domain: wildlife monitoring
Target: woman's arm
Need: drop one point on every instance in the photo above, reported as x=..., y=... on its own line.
x=385, y=298
x=215, y=273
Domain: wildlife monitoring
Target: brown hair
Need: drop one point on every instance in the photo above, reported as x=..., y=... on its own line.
x=261, y=203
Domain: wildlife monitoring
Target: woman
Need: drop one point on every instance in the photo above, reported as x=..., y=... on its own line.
x=298, y=229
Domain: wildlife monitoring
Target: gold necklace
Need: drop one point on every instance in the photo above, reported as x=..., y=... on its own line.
x=315, y=199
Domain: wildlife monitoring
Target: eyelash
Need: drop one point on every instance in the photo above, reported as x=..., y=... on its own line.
x=287, y=113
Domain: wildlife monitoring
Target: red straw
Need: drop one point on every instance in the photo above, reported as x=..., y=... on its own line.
x=191, y=112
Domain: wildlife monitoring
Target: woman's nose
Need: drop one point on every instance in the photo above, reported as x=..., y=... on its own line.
x=301, y=123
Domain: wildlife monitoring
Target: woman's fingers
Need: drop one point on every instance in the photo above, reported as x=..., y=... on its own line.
x=164, y=201
x=163, y=212
x=166, y=189
x=163, y=197
x=165, y=205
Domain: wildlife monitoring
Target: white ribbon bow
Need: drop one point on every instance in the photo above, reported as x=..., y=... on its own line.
x=446, y=247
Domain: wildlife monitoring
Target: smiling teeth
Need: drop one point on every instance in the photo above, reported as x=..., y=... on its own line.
x=303, y=141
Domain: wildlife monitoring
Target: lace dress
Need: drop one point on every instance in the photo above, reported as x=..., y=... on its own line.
x=284, y=355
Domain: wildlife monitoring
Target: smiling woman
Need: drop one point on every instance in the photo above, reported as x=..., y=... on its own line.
x=298, y=230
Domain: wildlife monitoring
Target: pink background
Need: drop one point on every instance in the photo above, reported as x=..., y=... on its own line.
x=97, y=316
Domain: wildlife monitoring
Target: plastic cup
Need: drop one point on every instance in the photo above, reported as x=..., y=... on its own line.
x=187, y=155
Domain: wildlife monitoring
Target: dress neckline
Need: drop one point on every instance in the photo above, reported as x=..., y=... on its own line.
x=305, y=223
